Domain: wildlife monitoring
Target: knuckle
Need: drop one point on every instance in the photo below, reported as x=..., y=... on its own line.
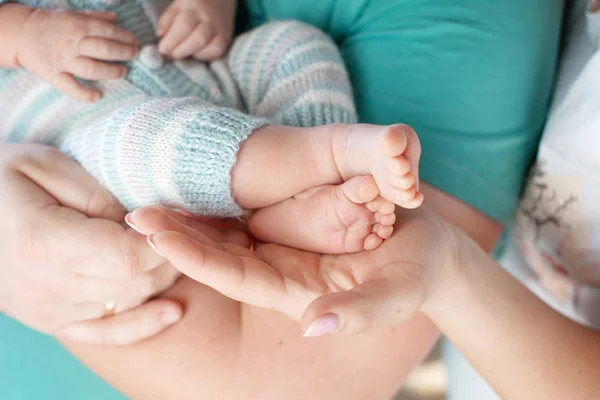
x=109, y=30
x=100, y=202
x=130, y=261
x=102, y=48
x=129, y=52
x=90, y=69
x=221, y=45
x=189, y=21
x=80, y=30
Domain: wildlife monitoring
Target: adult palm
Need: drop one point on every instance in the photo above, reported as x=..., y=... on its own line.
x=360, y=290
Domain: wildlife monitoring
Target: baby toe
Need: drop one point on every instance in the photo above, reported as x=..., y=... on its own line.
x=372, y=242
x=394, y=140
x=399, y=166
x=383, y=231
x=407, y=181
x=385, y=219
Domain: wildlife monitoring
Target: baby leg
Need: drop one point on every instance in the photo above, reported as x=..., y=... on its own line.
x=177, y=152
x=293, y=74
x=277, y=162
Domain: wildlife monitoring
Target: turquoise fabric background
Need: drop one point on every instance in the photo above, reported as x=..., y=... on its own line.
x=35, y=367
x=472, y=77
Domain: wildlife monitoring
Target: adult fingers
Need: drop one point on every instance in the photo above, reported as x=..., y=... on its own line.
x=194, y=42
x=393, y=294
x=106, y=250
x=68, y=85
x=125, y=293
x=127, y=328
x=219, y=223
x=154, y=219
x=66, y=181
x=108, y=50
x=244, y=279
x=93, y=70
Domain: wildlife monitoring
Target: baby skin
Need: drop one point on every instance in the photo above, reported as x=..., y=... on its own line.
x=329, y=189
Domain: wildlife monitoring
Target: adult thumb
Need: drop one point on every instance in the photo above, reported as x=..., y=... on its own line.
x=390, y=295
x=67, y=182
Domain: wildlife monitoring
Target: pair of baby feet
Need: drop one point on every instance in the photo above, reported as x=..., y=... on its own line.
x=379, y=166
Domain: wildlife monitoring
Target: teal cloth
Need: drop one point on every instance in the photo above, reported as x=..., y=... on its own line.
x=472, y=77
x=35, y=367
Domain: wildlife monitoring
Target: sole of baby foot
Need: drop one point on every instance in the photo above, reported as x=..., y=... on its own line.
x=329, y=219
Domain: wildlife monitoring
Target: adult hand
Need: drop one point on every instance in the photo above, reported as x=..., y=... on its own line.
x=65, y=254
x=348, y=293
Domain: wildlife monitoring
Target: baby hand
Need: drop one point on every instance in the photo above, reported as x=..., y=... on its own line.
x=202, y=29
x=60, y=45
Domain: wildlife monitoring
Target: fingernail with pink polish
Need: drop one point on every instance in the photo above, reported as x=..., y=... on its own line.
x=132, y=225
x=324, y=325
x=151, y=243
x=169, y=317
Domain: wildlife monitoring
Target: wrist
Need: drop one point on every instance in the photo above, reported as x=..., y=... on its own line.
x=460, y=281
x=13, y=19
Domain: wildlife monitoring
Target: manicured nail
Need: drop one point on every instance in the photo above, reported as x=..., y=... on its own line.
x=169, y=317
x=324, y=325
x=151, y=243
x=132, y=225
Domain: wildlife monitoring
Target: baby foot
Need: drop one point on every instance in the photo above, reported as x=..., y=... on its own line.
x=395, y=172
x=329, y=219
x=391, y=154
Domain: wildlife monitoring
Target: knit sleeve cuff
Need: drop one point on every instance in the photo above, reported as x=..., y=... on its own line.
x=175, y=152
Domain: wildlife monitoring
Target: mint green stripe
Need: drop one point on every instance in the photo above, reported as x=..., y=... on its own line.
x=25, y=119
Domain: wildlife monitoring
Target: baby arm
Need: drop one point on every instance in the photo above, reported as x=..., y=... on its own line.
x=60, y=46
x=202, y=29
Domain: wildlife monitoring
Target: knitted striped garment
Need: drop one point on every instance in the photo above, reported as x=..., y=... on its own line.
x=169, y=132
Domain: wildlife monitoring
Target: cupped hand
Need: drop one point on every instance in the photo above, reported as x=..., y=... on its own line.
x=201, y=29
x=61, y=45
x=65, y=254
x=347, y=293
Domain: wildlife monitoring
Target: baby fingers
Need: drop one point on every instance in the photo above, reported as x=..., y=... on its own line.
x=101, y=28
x=194, y=42
x=93, y=70
x=107, y=49
x=68, y=85
x=180, y=29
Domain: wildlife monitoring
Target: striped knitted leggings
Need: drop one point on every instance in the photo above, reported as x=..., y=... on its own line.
x=169, y=132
